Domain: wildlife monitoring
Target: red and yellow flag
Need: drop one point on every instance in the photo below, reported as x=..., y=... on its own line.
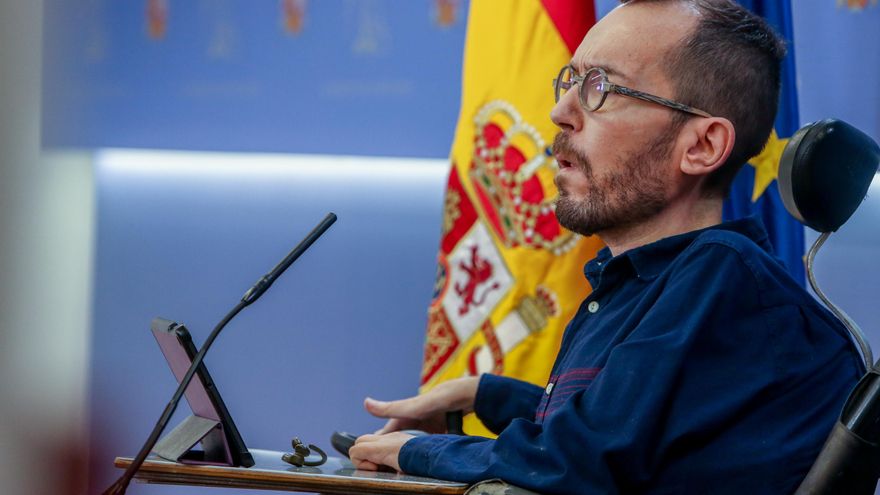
x=509, y=277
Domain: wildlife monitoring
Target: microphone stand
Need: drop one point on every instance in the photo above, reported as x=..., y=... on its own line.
x=254, y=293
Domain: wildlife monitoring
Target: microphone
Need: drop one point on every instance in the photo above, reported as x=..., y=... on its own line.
x=268, y=279
x=254, y=293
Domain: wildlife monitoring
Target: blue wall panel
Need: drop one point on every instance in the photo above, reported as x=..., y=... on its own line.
x=366, y=77
x=838, y=63
x=848, y=266
x=185, y=238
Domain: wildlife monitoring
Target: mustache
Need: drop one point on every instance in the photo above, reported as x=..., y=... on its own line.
x=562, y=144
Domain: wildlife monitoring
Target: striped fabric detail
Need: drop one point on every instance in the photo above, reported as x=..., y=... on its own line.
x=561, y=387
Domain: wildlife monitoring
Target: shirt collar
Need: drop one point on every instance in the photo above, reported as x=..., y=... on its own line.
x=651, y=259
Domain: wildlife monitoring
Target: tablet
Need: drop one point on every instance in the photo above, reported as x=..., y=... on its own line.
x=210, y=424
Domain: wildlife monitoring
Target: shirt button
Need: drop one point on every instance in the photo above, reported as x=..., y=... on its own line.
x=549, y=388
x=593, y=307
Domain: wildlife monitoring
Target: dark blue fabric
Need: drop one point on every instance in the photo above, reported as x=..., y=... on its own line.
x=500, y=400
x=705, y=369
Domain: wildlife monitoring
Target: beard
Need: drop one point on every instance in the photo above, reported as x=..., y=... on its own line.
x=630, y=193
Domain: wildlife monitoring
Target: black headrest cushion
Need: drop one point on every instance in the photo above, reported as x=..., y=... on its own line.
x=825, y=172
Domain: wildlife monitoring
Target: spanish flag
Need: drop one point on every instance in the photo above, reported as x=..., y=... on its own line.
x=509, y=278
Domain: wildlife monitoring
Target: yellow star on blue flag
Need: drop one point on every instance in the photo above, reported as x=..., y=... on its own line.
x=766, y=165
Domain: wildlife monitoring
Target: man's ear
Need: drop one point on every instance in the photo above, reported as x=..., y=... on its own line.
x=710, y=141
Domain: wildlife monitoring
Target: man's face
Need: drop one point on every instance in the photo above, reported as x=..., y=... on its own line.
x=617, y=165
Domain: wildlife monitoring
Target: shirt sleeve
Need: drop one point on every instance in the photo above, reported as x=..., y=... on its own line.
x=677, y=378
x=502, y=399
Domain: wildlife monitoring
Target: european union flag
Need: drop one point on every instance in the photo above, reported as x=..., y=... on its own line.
x=754, y=191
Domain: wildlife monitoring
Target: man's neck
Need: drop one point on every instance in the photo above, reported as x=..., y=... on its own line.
x=673, y=220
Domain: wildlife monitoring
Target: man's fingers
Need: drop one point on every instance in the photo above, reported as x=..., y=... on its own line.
x=378, y=450
x=388, y=426
x=406, y=408
x=393, y=424
x=358, y=453
x=367, y=465
x=365, y=438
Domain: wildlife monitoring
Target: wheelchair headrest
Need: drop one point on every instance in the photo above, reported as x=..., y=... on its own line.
x=825, y=172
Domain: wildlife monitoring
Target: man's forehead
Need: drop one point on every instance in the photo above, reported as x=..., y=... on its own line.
x=632, y=37
x=582, y=65
x=620, y=64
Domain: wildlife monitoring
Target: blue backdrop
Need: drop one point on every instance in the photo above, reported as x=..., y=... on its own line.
x=368, y=77
x=184, y=237
x=373, y=77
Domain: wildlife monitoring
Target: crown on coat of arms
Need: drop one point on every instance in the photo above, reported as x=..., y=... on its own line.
x=508, y=153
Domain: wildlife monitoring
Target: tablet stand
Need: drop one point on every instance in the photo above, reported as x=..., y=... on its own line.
x=178, y=444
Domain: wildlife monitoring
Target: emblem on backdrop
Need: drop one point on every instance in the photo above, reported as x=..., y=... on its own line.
x=372, y=34
x=293, y=14
x=223, y=42
x=856, y=4
x=445, y=12
x=157, y=18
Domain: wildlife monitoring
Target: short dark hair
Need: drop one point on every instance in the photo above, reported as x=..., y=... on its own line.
x=729, y=66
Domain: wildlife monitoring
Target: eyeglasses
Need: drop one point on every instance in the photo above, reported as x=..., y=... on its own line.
x=594, y=88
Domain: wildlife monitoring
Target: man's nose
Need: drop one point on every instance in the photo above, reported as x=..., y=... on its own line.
x=567, y=114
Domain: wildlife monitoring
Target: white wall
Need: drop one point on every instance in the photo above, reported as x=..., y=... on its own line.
x=46, y=235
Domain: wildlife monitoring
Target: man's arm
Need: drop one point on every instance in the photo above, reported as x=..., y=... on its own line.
x=701, y=385
x=426, y=412
x=497, y=401
x=502, y=399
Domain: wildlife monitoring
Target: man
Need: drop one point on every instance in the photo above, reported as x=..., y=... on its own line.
x=697, y=365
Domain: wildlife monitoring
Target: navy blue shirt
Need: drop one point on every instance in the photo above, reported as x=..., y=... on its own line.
x=696, y=365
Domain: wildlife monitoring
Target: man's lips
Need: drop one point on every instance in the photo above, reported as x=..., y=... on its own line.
x=562, y=162
x=565, y=169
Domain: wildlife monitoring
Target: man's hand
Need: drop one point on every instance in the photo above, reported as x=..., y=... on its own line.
x=426, y=412
x=371, y=451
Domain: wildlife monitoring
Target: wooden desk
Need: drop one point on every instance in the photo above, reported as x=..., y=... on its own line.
x=271, y=473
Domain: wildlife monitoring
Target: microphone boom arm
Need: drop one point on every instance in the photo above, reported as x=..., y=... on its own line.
x=249, y=298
